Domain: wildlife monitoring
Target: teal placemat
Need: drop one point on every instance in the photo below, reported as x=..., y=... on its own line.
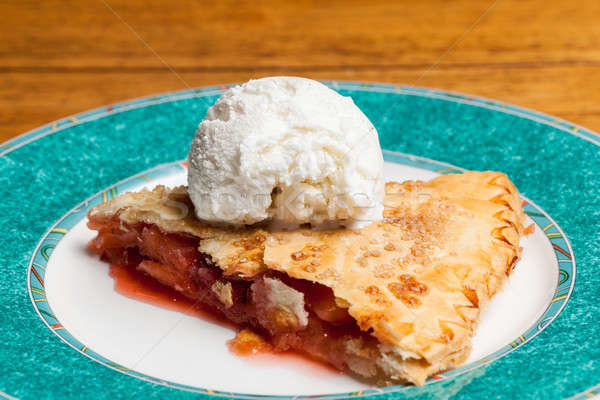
x=46, y=172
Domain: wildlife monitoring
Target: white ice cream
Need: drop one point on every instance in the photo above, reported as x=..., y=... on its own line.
x=289, y=150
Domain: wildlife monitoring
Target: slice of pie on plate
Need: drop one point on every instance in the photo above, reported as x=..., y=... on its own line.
x=396, y=301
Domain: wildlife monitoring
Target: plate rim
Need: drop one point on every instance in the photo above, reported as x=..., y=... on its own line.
x=91, y=114
x=165, y=169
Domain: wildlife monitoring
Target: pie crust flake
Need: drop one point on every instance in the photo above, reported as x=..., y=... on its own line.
x=396, y=301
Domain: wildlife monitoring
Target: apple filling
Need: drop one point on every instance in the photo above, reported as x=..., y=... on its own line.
x=291, y=314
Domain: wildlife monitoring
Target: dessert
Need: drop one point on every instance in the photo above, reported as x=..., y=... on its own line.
x=396, y=301
x=384, y=281
x=286, y=149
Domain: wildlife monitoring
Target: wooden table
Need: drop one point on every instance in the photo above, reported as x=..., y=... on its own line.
x=63, y=57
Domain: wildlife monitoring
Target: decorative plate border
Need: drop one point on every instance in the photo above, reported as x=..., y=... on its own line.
x=43, y=251
x=594, y=392
x=476, y=101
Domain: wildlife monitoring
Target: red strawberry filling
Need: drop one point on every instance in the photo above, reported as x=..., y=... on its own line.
x=291, y=314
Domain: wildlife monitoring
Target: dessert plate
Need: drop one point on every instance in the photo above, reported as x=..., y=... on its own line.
x=523, y=347
x=169, y=347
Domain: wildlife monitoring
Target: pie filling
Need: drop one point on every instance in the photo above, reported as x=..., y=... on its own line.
x=291, y=314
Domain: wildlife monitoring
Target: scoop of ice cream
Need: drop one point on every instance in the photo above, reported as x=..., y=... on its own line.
x=289, y=150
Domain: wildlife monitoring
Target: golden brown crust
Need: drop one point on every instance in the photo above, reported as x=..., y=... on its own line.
x=418, y=279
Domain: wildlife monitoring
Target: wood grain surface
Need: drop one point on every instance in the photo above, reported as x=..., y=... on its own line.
x=62, y=57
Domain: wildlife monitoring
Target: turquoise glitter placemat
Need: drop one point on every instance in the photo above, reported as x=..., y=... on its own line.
x=45, y=173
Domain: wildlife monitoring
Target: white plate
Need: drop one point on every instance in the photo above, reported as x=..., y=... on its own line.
x=190, y=351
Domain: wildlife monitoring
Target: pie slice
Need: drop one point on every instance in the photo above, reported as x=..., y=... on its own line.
x=396, y=301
